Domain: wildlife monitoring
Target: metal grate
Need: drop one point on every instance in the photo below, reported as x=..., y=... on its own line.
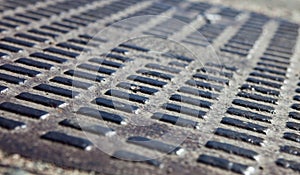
x=238, y=114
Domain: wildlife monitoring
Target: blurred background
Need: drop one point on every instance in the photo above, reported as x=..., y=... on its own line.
x=289, y=9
